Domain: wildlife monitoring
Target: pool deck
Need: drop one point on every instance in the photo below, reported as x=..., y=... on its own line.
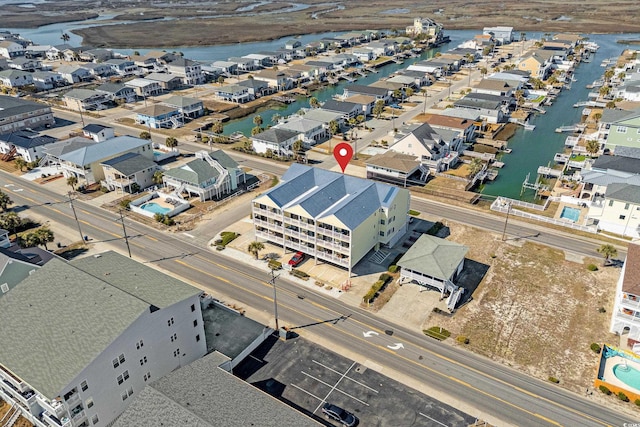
x=162, y=203
x=581, y=218
x=609, y=377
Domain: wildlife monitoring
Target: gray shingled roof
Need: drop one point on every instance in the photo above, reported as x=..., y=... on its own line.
x=631, y=152
x=396, y=161
x=60, y=148
x=27, y=139
x=223, y=158
x=203, y=395
x=195, y=172
x=130, y=163
x=624, y=193
x=13, y=271
x=339, y=106
x=103, y=150
x=366, y=90
x=619, y=163
x=612, y=115
x=324, y=193
x=433, y=257
x=138, y=280
x=276, y=135
x=10, y=106
x=48, y=341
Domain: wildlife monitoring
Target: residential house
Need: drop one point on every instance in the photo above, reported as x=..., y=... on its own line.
x=363, y=54
x=57, y=149
x=425, y=26
x=45, y=80
x=96, y=55
x=436, y=149
x=537, y=64
x=493, y=87
x=73, y=73
x=161, y=57
x=25, y=143
x=260, y=60
x=85, y=163
x=324, y=117
x=150, y=325
x=625, y=318
x=23, y=63
x=122, y=67
x=403, y=82
x=435, y=262
x=502, y=35
x=463, y=127
x=212, y=175
x=619, y=128
x=348, y=110
x=56, y=52
x=159, y=116
x=189, y=71
x=144, y=87
x=243, y=64
x=188, y=107
x=234, y=93
x=117, y=92
x=321, y=67
x=17, y=114
x=629, y=91
x=377, y=92
x=168, y=82
x=256, y=88
x=9, y=49
x=98, y=69
x=84, y=100
x=70, y=54
x=276, y=79
x=277, y=141
x=97, y=132
x=145, y=63
x=292, y=44
x=490, y=107
x=36, y=51
x=420, y=78
x=428, y=66
x=381, y=48
x=227, y=68
x=343, y=60
x=15, y=78
x=310, y=132
x=129, y=172
x=396, y=168
x=365, y=102
x=330, y=216
x=620, y=211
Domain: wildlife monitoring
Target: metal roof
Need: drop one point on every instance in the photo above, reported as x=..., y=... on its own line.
x=103, y=150
x=434, y=257
x=130, y=163
x=195, y=172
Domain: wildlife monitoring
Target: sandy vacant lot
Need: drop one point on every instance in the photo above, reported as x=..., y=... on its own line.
x=231, y=22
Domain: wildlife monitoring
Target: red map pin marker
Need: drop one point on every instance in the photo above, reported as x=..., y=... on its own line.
x=343, y=154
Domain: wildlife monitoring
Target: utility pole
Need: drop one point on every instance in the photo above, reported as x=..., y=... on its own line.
x=73, y=209
x=424, y=105
x=275, y=298
x=80, y=110
x=504, y=231
x=124, y=230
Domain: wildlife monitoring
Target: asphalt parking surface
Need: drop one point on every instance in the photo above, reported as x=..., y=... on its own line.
x=305, y=376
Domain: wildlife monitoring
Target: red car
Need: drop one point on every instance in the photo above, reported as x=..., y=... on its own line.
x=296, y=259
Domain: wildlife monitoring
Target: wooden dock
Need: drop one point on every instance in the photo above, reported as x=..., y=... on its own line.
x=495, y=143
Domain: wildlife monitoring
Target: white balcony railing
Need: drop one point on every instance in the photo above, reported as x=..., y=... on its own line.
x=54, y=407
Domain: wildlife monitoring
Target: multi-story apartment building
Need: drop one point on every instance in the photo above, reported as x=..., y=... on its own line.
x=626, y=311
x=17, y=114
x=80, y=339
x=330, y=216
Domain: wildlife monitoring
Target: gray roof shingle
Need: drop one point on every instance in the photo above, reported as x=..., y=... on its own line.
x=433, y=257
x=130, y=163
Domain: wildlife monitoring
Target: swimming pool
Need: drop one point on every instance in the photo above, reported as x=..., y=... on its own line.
x=628, y=375
x=572, y=214
x=155, y=208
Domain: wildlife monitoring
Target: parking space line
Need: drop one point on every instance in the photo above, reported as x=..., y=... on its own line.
x=305, y=391
x=349, y=378
x=336, y=385
x=432, y=419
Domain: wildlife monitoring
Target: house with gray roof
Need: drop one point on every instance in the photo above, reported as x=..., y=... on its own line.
x=167, y=81
x=204, y=394
x=85, y=162
x=310, y=132
x=211, y=175
x=234, y=93
x=98, y=132
x=17, y=113
x=129, y=173
x=107, y=327
x=98, y=69
x=73, y=73
x=15, y=78
x=117, y=92
x=436, y=149
x=323, y=116
x=349, y=110
x=491, y=108
x=85, y=100
x=435, y=262
x=45, y=80
x=28, y=144
x=330, y=216
x=378, y=92
x=396, y=168
x=276, y=140
x=190, y=108
x=619, y=212
x=625, y=318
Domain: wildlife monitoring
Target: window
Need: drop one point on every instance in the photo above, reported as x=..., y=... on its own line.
x=89, y=403
x=626, y=206
x=382, y=234
x=610, y=202
x=116, y=363
x=94, y=420
x=174, y=337
x=176, y=352
x=121, y=358
x=170, y=322
x=193, y=307
x=195, y=323
x=130, y=391
x=198, y=338
x=4, y=287
x=124, y=396
x=125, y=375
x=120, y=380
x=139, y=345
x=622, y=216
x=84, y=386
x=382, y=222
x=621, y=129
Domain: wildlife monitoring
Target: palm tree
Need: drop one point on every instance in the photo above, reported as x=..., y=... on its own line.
x=409, y=92
x=313, y=102
x=157, y=177
x=44, y=236
x=475, y=166
x=20, y=163
x=378, y=108
x=604, y=91
x=255, y=248
x=257, y=120
x=256, y=130
x=483, y=71
x=217, y=128
x=65, y=37
x=607, y=251
x=608, y=74
x=10, y=221
x=5, y=201
x=72, y=181
x=171, y=142
x=145, y=135
x=334, y=127
x=275, y=118
x=592, y=147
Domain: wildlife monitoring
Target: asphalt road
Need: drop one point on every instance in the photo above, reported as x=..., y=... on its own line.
x=506, y=394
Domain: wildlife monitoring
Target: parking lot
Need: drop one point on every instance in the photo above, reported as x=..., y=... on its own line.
x=306, y=376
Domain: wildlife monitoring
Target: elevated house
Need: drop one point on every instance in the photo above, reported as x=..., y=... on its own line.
x=276, y=79
x=324, y=117
x=629, y=91
x=122, y=67
x=159, y=116
x=377, y=92
x=96, y=55
x=144, y=87
x=97, y=132
x=310, y=132
x=17, y=114
x=150, y=325
x=502, y=35
x=129, y=172
x=168, y=82
x=27, y=144
x=189, y=71
x=117, y=92
x=464, y=128
x=234, y=93
x=73, y=73
x=56, y=52
x=256, y=88
x=537, y=63
x=243, y=64
x=426, y=26
x=10, y=49
x=23, y=63
x=97, y=69
x=437, y=263
x=189, y=108
x=619, y=212
x=396, y=168
x=226, y=68
x=436, y=150
x=625, y=319
x=330, y=216
x=46, y=80
x=348, y=110
x=211, y=175
x=15, y=78
x=85, y=100
x=275, y=140
x=494, y=87
x=619, y=128
x=489, y=107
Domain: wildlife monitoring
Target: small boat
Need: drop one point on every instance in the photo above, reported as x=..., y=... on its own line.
x=528, y=126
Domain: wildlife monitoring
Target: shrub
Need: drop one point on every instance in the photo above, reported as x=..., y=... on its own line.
x=385, y=277
x=219, y=248
x=462, y=339
x=125, y=203
x=299, y=274
x=274, y=265
x=435, y=228
x=393, y=268
x=623, y=396
x=595, y=347
x=592, y=267
x=413, y=213
x=637, y=402
x=375, y=288
x=227, y=237
x=602, y=310
x=605, y=390
x=319, y=284
x=554, y=380
x=437, y=332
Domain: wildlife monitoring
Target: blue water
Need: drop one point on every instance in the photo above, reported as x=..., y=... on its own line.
x=155, y=208
x=628, y=375
x=570, y=213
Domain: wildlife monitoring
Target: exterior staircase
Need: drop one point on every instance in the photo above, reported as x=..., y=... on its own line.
x=223, y=174
x=9, y=154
